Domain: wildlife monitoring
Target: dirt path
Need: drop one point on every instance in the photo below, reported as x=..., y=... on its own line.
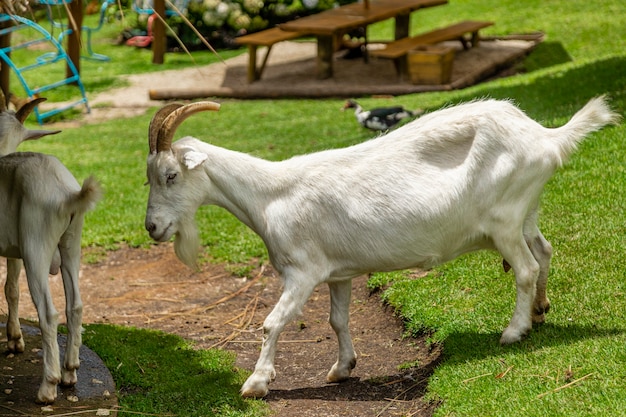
x=152, y=289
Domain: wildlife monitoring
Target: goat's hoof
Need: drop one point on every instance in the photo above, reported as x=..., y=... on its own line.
x=336, y=376
x=511, y=336
x=47, y=393
x=255, y=387
x=340, y=373
x=16, y=345
x=254, y=392
x=69, y=378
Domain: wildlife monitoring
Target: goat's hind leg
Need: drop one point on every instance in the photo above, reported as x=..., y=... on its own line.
x=15, y=341
x=295, y=293
x=526, y=268
x=340, y=293
x=69, y=249
x=542, y=251
x=37, y=275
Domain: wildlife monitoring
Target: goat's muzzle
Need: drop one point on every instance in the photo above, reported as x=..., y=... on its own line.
x=156, y=234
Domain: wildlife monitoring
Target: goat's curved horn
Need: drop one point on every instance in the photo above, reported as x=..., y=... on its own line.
x=157, y=122
x=27, y=108
x=164, y=141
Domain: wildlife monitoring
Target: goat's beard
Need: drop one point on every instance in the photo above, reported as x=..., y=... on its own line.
x=187, y=244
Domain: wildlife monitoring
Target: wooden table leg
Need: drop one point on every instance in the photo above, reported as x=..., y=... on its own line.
x=325, y=51
x=402, y=31
x=252, y=73
x=475, y=39
x=402, y=26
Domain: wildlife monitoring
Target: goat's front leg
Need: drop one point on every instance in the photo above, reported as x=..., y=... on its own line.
x=294, y=295
x=340, y=293
x=15, y=341
x=37, y=276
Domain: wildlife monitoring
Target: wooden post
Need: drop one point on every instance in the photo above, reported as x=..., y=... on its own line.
x=74, y=38
x=5, y=40
x=158, y=33
x=325, y=50
x=402, y=26
x=252, y=72
x=402, y=30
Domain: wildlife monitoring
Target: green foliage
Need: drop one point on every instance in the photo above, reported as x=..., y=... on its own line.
x=160, y=373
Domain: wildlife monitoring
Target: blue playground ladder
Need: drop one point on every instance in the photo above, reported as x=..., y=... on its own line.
x=19, y=23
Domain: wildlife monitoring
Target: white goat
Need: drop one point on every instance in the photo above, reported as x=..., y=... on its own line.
x=12, y=133
x=457, y=180
x=42, y=218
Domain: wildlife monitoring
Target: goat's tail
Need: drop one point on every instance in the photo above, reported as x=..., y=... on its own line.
x=594, y=116
x=87, y=198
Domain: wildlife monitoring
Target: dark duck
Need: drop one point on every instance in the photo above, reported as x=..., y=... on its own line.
x=381, y=118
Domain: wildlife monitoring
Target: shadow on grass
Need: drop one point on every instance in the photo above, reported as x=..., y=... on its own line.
x=546, y=54
x=567, y=89
x=470, y=346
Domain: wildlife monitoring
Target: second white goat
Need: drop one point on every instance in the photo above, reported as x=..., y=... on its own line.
x=42, y=211
x=12, y=134
x=457, y=180
x=41, y=221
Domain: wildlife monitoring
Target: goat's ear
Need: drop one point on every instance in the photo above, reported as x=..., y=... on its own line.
x=192, y=159
x=36, y=134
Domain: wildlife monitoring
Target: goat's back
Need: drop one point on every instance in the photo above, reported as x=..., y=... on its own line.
x=480, y=143
x=38, y=192
x=42, y=181
x=40, y=177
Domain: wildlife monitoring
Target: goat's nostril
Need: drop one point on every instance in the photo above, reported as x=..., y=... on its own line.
x=150, y=227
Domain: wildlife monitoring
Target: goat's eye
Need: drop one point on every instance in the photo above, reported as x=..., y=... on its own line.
x=171, y=177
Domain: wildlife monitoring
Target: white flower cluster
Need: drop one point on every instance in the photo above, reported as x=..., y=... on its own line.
x=216, y=12
x=236, y=14
x=244, y=16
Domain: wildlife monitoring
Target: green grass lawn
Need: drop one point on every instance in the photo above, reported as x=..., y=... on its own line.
x=574, y=365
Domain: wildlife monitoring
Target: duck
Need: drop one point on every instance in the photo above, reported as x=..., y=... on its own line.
x=381, y=118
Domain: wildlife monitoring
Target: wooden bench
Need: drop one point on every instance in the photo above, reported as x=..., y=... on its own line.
x=398, y=50
x=266, y=38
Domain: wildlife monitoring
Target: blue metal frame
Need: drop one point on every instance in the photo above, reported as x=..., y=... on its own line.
x=23, y=23
x=65, y=31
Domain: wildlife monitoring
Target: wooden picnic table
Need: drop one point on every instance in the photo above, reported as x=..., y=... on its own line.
x=330, y=24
